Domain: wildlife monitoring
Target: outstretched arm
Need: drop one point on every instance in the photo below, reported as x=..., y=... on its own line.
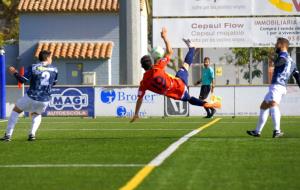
x=15, y=73
x=167, y=42
x=137, y=109
x=55, y=80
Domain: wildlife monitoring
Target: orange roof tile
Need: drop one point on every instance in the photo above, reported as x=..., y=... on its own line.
x=77, y=50
x=69, y=6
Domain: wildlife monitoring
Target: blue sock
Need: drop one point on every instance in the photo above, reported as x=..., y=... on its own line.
x=196, y=102
x=189, y=56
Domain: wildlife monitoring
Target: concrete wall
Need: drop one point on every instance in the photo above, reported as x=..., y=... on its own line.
x=144, y=38
x=98, y=66
x=37, y=27
x=11, y=55
x=12, y=95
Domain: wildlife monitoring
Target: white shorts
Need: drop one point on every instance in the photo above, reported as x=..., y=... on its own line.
x=29, y=105
x=275, y=93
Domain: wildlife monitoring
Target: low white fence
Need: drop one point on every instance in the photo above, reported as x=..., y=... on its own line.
x=120, y=101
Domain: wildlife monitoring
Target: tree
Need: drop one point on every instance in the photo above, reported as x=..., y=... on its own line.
x=242, y=58
x=9, y=32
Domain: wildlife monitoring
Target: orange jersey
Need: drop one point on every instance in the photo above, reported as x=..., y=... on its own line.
x=160, y=82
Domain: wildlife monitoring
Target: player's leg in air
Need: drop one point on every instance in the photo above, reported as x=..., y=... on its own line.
x=177, y=87
x=184, y=75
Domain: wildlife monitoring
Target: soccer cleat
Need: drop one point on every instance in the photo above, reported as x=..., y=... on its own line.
x=31, y=137
x=213, y=112
x=212, y=105
x=277, y=134
x=188, y=43
x=6, y=138
x=253, y=133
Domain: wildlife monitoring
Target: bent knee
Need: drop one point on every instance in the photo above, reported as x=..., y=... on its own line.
x=17, y=109
x=186, y=66
x=266, y=105
x=273, y=104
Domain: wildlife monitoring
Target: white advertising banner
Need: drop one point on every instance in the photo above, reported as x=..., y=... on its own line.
x=228, y=32
x=246, y=101
x=291, y=102
x=265, y=30
x=175, y=8
x=227, y=95
x=239, y=101
x=120, y=102
x=204, y=32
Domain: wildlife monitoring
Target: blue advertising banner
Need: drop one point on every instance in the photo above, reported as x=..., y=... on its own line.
x=74, y=101
x=120, y=102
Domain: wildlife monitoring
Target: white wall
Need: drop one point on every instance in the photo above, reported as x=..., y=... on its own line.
x=239, y=101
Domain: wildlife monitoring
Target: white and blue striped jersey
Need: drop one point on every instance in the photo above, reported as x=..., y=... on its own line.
x=42, y=78
x=284, y=68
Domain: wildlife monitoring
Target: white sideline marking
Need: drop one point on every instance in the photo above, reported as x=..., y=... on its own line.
x=2, y=121
x=157, y=161
x=150, y=123
x=71, y=165
x=116, y=122
x=113, y=129
x=173, y=147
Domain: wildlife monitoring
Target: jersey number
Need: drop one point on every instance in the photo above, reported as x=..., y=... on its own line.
x=159, y=83
x=45, y=78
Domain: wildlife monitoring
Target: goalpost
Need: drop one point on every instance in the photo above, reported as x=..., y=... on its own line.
x=2, y=85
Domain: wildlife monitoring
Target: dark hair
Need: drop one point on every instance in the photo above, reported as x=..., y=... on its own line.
x=146, y=62
x=283, y=41
x=206, y=58
x=44, y=54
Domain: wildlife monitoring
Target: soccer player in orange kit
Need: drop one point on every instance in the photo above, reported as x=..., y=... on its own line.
x=157, y=80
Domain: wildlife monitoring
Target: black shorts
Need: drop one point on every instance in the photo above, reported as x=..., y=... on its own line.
x=204, y=92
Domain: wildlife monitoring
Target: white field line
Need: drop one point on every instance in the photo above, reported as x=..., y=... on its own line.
x=158, y=160
x=114, y=122
x=149, y=123
x=2, y=121
x=173, y=147
x=61, y=129
x=71, y=165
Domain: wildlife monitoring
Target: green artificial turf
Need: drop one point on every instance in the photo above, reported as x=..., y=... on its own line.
x=220, y=157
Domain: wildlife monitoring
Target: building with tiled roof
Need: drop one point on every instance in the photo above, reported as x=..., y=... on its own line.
x=83, y=36
x=76, y=50
x=69, y=6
